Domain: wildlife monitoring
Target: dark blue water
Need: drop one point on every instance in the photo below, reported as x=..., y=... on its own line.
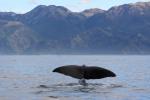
x=31, y=78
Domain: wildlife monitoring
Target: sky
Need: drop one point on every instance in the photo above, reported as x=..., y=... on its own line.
x=23, y=6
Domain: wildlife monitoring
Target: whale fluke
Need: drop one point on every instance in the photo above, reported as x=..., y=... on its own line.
x=85, y=72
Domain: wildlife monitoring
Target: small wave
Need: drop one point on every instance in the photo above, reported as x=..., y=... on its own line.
x=43, y=86
x=115, y=86
x=55, y=97
x=75, y=87
x=69, y=85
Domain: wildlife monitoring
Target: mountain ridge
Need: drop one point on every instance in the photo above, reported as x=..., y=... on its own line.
x=121, y=29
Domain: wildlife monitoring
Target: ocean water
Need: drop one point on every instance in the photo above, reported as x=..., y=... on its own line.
x=25, y=77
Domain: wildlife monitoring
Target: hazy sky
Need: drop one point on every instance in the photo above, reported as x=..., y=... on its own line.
x=22, y=6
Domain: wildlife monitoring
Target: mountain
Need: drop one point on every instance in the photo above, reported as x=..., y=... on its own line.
x=121, y=29
x=91, y=12
x=126, y=27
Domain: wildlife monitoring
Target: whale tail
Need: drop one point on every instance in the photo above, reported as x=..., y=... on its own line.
x=84, y=73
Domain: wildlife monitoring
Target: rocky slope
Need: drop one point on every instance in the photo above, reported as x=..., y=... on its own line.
x=123, y=29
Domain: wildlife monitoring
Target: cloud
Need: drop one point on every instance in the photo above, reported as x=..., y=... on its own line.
x=33, y=1
x=85, y=1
